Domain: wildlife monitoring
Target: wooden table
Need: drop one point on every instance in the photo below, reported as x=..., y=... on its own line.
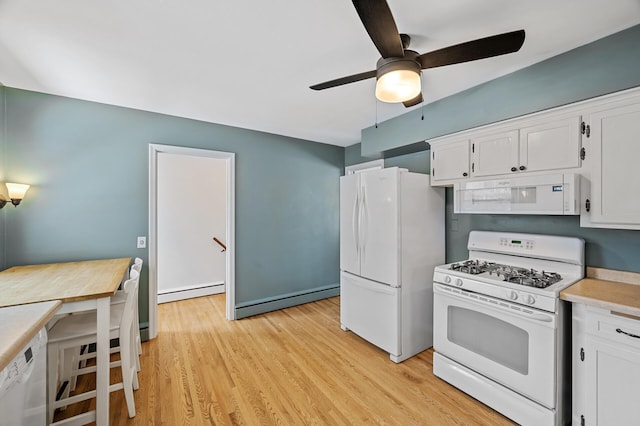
x=81, y=286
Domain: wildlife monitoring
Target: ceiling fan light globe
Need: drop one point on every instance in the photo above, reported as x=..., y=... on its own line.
x=398, y=86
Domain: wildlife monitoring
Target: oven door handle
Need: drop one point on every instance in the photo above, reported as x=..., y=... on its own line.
x=538, y=317
x=464, y=296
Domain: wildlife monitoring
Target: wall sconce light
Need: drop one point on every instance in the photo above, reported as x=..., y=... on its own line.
x=16, y=193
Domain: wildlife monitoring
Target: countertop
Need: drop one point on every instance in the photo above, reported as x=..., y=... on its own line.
x=617, y=291
x=19, y=324
x=68, y=281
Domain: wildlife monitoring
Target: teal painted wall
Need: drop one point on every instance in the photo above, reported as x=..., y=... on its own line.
x=88, y=164
x=605, y=66
x=419, y=162
x=605, y=248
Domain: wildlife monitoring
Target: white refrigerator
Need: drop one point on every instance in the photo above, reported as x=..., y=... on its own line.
x=391, y=239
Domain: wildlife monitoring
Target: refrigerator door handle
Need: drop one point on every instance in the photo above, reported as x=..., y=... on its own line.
x=362, y=226
x=355, y=221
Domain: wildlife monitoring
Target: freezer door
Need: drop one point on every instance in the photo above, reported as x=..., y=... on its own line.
x=349, y=218
x=379, y=228
x=372, y=311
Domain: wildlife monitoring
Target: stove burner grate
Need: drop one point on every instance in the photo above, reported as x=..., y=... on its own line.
x=533, y=278
x=512, y=274
x=472, y=267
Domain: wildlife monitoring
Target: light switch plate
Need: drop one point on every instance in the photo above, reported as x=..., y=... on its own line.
x=142, y=242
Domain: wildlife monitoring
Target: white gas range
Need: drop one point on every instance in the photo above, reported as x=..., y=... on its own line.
x=500, y=330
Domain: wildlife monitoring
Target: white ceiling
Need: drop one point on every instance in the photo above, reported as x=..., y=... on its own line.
x=249, y=63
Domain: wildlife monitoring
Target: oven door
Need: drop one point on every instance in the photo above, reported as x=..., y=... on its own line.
x=508, y=343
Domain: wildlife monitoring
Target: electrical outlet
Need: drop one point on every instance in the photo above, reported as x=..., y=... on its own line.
x=142, y=242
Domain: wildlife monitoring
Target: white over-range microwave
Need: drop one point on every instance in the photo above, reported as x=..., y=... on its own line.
x=550, y=194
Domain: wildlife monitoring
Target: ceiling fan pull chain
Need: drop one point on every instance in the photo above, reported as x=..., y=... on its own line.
x=376, y=113
x=422, y=100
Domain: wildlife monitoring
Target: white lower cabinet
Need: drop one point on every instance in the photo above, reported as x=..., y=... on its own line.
x=606, y=367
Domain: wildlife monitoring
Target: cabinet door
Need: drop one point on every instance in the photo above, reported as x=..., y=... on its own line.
x=379, y=229
x=613, y=383
x=550, y=146
x=613, y=159
x=450, y=161
x=579, y=401
x=495, y=154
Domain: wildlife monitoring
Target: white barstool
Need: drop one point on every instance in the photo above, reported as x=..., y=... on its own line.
x=82, y=354
x=74, y=331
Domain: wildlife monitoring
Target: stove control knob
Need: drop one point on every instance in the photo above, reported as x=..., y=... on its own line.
x=459, y=282
x=529, y=299
x=447, y=279
x=513, y=295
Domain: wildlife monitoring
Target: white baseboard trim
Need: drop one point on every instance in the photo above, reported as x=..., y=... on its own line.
x=190, y=292
x=261, y=306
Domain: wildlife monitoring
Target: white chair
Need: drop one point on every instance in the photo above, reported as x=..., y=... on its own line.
x=80, y=355
x=118, y=298
x=73, y=331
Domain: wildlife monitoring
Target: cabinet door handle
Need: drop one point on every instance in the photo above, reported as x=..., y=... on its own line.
x=628, y=334
x=513, y=169
x=522, y=167
x=465, y=174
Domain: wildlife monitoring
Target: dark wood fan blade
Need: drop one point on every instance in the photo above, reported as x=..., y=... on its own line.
x=344, y=80
x=414, y=101
x=379, y=23
x=487, y=47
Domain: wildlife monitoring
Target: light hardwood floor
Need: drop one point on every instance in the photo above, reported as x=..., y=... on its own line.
x=289, y=367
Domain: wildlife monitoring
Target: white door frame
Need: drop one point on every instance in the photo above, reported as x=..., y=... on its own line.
x=229, y=157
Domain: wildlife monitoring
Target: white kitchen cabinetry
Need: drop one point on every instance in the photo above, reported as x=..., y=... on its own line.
x=494, y=154
x=612, y=177
x=548, y=143
x=606, y=367
x=450, y=161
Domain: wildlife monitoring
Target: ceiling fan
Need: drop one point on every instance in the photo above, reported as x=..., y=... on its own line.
x=398, y=70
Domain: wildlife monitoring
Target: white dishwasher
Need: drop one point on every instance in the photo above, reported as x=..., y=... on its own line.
x=23, y=385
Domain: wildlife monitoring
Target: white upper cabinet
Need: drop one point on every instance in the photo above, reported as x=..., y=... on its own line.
x=450, y=161
x=596, y=138
x=541, y=142
x=494, y=154
x=550, y=145
x=612, y=177
x=547, y=143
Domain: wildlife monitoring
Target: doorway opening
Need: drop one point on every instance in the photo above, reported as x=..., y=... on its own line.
x=191, y=193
